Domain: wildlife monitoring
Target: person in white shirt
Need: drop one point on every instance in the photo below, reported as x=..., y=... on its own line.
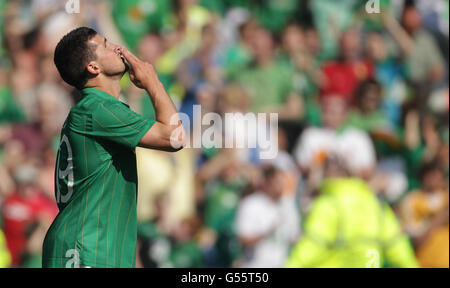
x=352, y=145
x=268, y=224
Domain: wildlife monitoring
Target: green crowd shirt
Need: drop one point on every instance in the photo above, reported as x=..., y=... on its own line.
x=96, y=185
x=135, y=18
x=267, y=86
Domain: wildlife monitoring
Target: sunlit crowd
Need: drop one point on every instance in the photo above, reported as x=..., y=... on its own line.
x=363, y=139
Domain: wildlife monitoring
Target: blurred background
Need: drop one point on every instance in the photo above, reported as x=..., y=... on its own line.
x=362, y=174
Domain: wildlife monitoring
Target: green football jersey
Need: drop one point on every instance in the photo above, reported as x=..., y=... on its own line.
x=96, y=185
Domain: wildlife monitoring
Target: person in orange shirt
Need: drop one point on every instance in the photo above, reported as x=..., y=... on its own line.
x=425, y=215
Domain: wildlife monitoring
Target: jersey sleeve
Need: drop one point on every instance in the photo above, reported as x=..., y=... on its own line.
x=116, y=122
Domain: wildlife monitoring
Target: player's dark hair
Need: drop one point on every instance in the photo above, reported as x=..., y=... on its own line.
x=73, y=53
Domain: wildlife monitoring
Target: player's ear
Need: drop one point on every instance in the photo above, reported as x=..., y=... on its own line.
x=93, y=68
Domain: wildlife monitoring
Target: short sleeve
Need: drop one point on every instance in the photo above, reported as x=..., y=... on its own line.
x=117, y=123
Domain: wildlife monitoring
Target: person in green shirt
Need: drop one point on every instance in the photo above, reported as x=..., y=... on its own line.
x=239, y=55
x=185, y=252
x=136, y=18
x=368, y=116
x=162, y=250
x=221, y=203
x=270, y=85
x=10, y=111
x=274, y=14
x=299, y=54
x=96, y=175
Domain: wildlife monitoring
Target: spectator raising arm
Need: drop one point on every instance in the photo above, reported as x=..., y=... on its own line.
x=405, y=41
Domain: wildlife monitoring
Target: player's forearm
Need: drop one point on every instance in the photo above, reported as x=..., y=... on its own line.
x=164, y=107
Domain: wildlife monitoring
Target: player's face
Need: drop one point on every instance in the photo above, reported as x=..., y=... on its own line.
x=108, y=56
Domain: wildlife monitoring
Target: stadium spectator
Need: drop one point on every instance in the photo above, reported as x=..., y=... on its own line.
x=348, y=226
x=276, y=95
x=352, y=145
x=425, y=217
x=342, y=76
x=23, y=208
x=369, y=88
x=267, y=223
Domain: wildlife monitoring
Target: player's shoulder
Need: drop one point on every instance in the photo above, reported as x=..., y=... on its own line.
x=89, y=109
x=110, y=106
x=99, y=106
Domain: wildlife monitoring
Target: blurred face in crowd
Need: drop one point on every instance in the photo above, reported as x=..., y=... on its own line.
x=433, y=180
x=150, y=48
x=14, y=153
x=248, y=30
x=274, y=185
x=209, y=37
x=234, y=99
x=48, y=107
x=412, y=20
x=334, y=112
x=160, y=203
x=350, y=44
x=375, y=48
x=109, y=61
x=312, y=41
x=263, y=46
x=293, y=39
x=48, y=71
x=232, y=171
x=25, y=176
x=370, y=99
x=206, y=96
x=335, y=168
x=185, y=230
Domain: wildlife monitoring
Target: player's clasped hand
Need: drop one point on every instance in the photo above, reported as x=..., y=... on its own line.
x=142, y=73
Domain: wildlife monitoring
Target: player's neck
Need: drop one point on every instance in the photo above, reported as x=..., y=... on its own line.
x=108, y=85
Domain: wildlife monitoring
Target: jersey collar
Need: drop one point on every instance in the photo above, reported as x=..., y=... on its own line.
x=94, y=91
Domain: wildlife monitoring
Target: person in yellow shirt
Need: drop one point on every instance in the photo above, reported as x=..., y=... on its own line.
x=349, y=227
x=5, y=257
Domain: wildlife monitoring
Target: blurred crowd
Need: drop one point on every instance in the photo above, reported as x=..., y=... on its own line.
x=362, y=174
